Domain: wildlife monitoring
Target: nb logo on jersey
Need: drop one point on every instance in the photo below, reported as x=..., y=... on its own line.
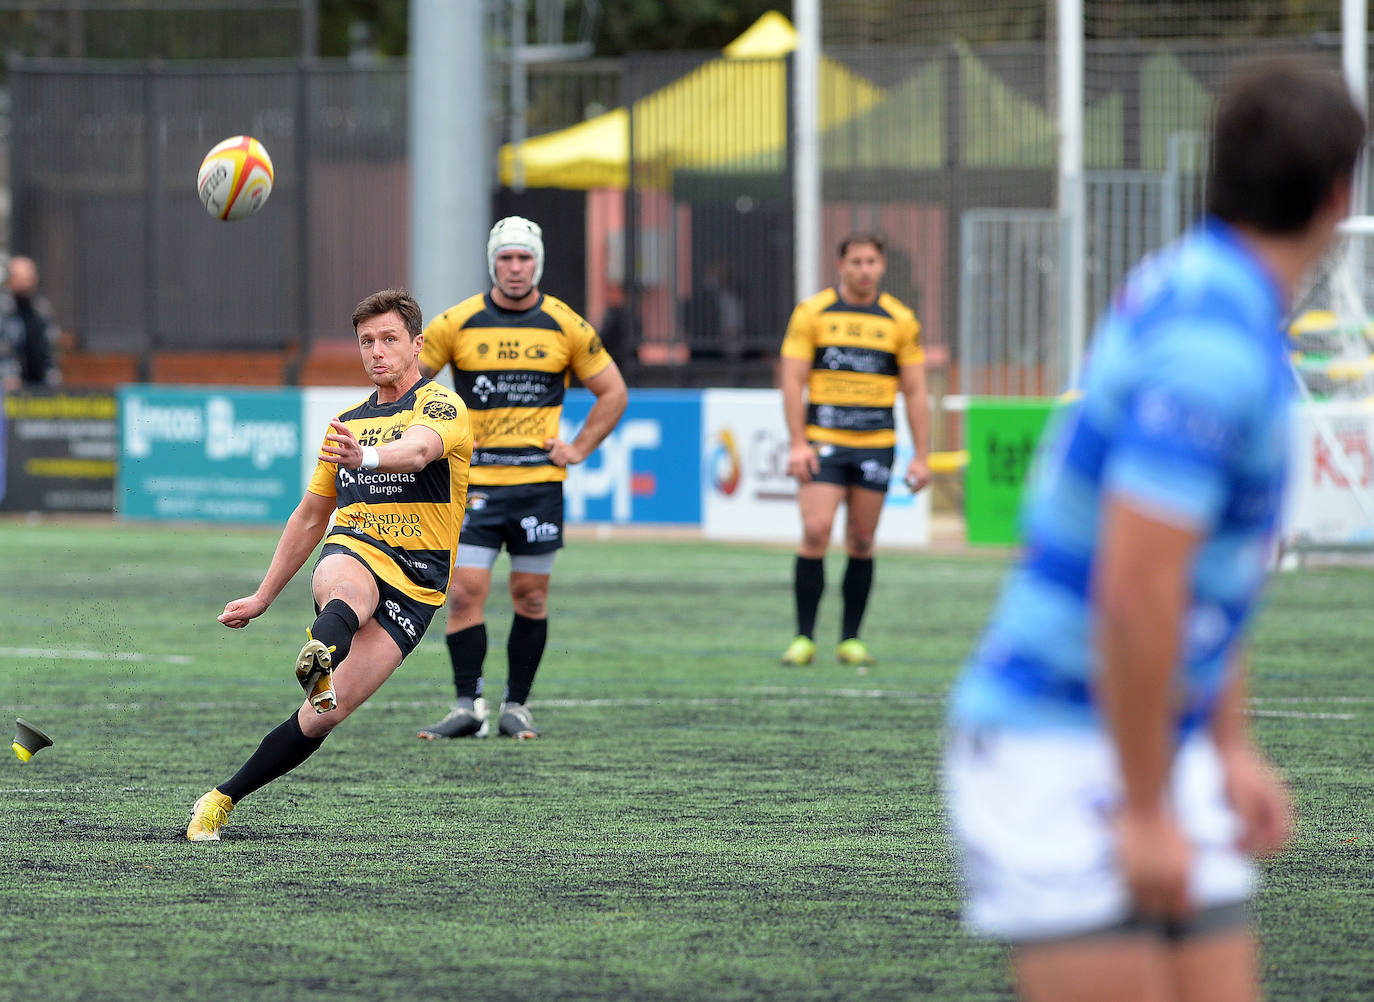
x=508, y=349
x=370, y=436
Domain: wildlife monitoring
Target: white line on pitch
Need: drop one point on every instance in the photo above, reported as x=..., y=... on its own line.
x=35, y=789
x=1299, y=715
x=1312, y=699
x=62, y=654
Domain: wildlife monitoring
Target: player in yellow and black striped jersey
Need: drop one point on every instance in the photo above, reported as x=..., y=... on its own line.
x=513, y=352
x=387, y=497
x=847, y=352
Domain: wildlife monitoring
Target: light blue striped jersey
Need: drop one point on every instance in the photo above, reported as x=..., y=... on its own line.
x=1185, y=414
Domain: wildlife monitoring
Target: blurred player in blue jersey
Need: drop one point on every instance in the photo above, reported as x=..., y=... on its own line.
x=1103, y=792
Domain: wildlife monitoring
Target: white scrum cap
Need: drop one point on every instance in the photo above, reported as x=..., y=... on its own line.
x=516, y=231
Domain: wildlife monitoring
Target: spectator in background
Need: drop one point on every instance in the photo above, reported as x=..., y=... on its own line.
x=714, y=316
x=28, y=330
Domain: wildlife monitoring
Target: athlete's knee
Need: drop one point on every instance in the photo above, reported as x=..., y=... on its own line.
x=530, y=599
x=815, y=534
x=860, y=543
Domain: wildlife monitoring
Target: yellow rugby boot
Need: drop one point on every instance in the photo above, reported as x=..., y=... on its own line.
x=854, y=652
x=801, y=651
x=315, y=676
x=208, y=817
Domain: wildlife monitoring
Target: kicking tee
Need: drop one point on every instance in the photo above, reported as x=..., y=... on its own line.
x=404, y=526
x=1184, y=415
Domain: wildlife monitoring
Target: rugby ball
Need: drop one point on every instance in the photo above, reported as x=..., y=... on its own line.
x=235, y=178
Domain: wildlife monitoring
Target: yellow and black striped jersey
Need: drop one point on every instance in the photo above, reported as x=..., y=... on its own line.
x=856, y=353
x=403, y=525
x=512, y=369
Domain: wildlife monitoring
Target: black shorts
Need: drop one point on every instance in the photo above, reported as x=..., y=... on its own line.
x=850, y=467
x=405, y=619
x=527, y=518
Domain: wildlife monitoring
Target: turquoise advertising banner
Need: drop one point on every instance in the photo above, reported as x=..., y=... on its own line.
x=209, y=454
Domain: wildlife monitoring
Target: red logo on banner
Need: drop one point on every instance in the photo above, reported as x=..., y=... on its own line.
x=1357, y=454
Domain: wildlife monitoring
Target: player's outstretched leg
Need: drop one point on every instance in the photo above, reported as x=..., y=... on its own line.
x=208, y=817
x=467, y=719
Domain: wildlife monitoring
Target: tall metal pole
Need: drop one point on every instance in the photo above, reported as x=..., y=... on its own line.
x=310, y=29
x=519, y=92
x=1355, y=63
x=1073, y=245
x=449, y=145
x=806, y=176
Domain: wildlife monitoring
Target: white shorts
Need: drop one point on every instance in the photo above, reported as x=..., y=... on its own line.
x=1031, y=815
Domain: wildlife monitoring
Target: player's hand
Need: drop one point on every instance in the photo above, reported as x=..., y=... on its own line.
x=1261, y=800
x=1155, y=858
x=341, y=447
x=917, y=474
x=802, y=462
x=238, y=613
x=563, y=453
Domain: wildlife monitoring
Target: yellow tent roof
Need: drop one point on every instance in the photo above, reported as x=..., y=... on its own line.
x=728, y=109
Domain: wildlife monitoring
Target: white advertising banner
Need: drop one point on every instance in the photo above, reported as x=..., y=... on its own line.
x=747, y=494
x=1322, y=506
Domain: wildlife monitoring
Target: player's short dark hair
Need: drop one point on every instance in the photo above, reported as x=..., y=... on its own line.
x=863, y=238
x=387, y=301
x=1285, y=132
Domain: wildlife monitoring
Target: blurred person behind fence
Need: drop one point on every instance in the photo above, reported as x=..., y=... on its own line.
x=28, y=330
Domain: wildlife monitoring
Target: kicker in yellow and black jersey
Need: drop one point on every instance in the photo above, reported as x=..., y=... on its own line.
x=856, y=355
x=512, y=370
x=404, y=526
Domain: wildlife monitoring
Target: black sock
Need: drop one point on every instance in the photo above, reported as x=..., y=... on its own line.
x=524, y=650
x=858, y=580
x=281, y=751
x=334, y=627
x=808, y=583
x=467, y=649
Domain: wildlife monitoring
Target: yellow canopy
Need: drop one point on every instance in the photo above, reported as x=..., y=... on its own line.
x=729, y=109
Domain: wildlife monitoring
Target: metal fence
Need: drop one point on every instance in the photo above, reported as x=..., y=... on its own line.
x=691, y=264
x=103, y=171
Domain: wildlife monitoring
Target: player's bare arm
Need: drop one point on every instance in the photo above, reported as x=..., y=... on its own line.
x=912, y=379
x=802, y=462
x=1141, y=589
x=412, y=452
x=612, y=396
x=303, y=532
x=1255, y=789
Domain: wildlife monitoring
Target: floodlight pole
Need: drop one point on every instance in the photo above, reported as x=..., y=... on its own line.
x=450, y=181
x=1073, y=224
x=1355, y=63
x=806, y=174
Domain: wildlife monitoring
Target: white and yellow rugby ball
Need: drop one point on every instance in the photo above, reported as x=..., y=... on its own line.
x=235, y=178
